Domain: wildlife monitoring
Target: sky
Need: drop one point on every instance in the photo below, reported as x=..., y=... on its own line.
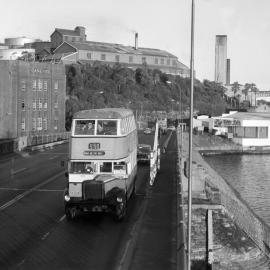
x=160, y=24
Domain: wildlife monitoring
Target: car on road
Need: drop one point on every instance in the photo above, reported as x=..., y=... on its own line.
x=143, y=153
x=171, y=127
x=147, y=131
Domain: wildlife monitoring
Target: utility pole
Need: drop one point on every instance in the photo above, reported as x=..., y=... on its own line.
x=190, y=135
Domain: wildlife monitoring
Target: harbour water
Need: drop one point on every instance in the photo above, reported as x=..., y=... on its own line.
x=249, y=175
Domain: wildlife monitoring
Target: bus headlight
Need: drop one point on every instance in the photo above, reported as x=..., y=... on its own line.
x=119, y=199
x=67, y=198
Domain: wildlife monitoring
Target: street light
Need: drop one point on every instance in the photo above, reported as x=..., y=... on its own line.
x=190, y=134
x=96, y=93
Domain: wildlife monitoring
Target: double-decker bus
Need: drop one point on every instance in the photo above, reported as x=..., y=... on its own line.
x=102, y=165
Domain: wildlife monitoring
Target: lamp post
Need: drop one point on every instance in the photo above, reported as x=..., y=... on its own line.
x=190, y=135
x=94, y=94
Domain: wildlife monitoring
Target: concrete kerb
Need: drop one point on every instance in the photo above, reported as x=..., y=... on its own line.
x=181, y=239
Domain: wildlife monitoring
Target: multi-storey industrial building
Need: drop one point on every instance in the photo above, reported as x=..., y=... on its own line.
x=32, y=101
x=71, y=46
x=221, y=59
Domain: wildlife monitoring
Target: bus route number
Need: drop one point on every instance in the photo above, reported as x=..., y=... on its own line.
x=94, y=146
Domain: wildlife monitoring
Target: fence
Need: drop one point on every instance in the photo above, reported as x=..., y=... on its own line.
x=44, y=139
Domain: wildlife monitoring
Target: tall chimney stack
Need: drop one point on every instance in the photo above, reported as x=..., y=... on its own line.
x=136, y=41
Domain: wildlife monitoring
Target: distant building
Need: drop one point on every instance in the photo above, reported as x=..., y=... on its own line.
x=71, y=46
x=221, y=59
x=246, y=129
x=32, y=101
x=61, y=35
x=18, y=42
x=228, y=72
x=16, y=53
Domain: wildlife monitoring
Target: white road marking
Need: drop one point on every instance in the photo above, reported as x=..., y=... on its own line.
x=45, y=236
x=18, y=171
x=61, y=218
x=19, y=264
x=53, y=157
x=19, y=197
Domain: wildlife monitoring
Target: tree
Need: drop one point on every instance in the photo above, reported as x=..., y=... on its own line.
x=246, y=89
x=235, y=88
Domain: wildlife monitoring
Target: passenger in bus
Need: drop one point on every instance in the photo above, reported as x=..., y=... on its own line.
x=100, y=128
x=90, y=128
x=89, y=167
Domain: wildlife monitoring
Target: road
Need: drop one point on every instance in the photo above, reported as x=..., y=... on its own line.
x=34, y=233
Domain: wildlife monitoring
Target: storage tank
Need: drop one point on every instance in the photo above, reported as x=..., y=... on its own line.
x=18, y=41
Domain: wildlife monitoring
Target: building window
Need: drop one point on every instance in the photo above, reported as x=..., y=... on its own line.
x=56, y=85
x=23, y=105
x=156, y=61
x=45, y=124
x=45, y=85
x=130, y=59
x=263, y=132
x=162, y=61
x=73, y=39
x=56, y=123
x=103, y=57
x=144, y=60
x=39, y=85
x=23, y=85
x=88, y=55
x=168, y=62
x=34, y=104
x=23, y=124
x=174, y=62
x=39, y=106
x=34, y=85
x=55, y=101
x=117, y=58
x=39, y=123
x=45, y=104
x=34, y=124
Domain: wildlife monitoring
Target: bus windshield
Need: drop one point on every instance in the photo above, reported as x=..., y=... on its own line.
x=85, y=127
x=106, y=127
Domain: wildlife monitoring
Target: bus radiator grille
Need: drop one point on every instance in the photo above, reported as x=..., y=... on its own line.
x=93, y=190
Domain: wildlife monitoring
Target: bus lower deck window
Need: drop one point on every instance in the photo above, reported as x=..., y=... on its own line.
x=82, y=167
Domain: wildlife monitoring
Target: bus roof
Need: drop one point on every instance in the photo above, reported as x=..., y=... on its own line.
x=106, y=113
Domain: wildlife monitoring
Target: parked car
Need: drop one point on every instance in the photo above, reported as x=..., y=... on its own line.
x=143, y=153
x=147, y=131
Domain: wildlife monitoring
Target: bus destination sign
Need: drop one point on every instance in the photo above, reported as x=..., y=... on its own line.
x=94, y=153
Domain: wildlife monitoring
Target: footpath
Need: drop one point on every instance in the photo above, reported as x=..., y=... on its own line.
x=232, y=248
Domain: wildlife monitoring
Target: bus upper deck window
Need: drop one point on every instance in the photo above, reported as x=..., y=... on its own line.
x=106, y=167
x=107, y=127
x=85, y=127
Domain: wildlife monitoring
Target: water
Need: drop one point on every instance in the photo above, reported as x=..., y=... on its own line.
x=250, y=176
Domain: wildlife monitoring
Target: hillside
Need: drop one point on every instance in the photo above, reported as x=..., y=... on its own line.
x=99, y=86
